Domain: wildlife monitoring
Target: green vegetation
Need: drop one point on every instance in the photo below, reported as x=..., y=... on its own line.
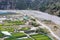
x=35, y=36
x=40, y=37
x=10, y=38
x=26, y=39
x=25, y=28
x=18, y=35
x=50, y=6
x=8, y=25
x=1, y=35
x=11, y=23
x=9, y=29
x=15, y=36
x=1, y=28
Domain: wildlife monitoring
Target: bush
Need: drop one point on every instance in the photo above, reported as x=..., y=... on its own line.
x=1, y=35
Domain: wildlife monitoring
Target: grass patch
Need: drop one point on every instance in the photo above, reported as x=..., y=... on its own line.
x=10, y=38
x=40, y=37
x=9, y=29
x=18, y=35
x=26, y=39
x=1, y=35
x=11, y=23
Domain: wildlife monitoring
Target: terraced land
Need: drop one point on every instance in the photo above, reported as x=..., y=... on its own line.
x=18, y=35
x=26, y=39
x=18, y=28
x=33, y=37
x=40, y=37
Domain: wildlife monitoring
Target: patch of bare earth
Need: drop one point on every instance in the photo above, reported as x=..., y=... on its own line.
x=54, y=27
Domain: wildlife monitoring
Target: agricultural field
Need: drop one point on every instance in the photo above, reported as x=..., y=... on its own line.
x=14, y=29
x=33, y=37
x=40, y=37
x=18, y=35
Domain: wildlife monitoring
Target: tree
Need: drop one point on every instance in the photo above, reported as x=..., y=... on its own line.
x=20, y=4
